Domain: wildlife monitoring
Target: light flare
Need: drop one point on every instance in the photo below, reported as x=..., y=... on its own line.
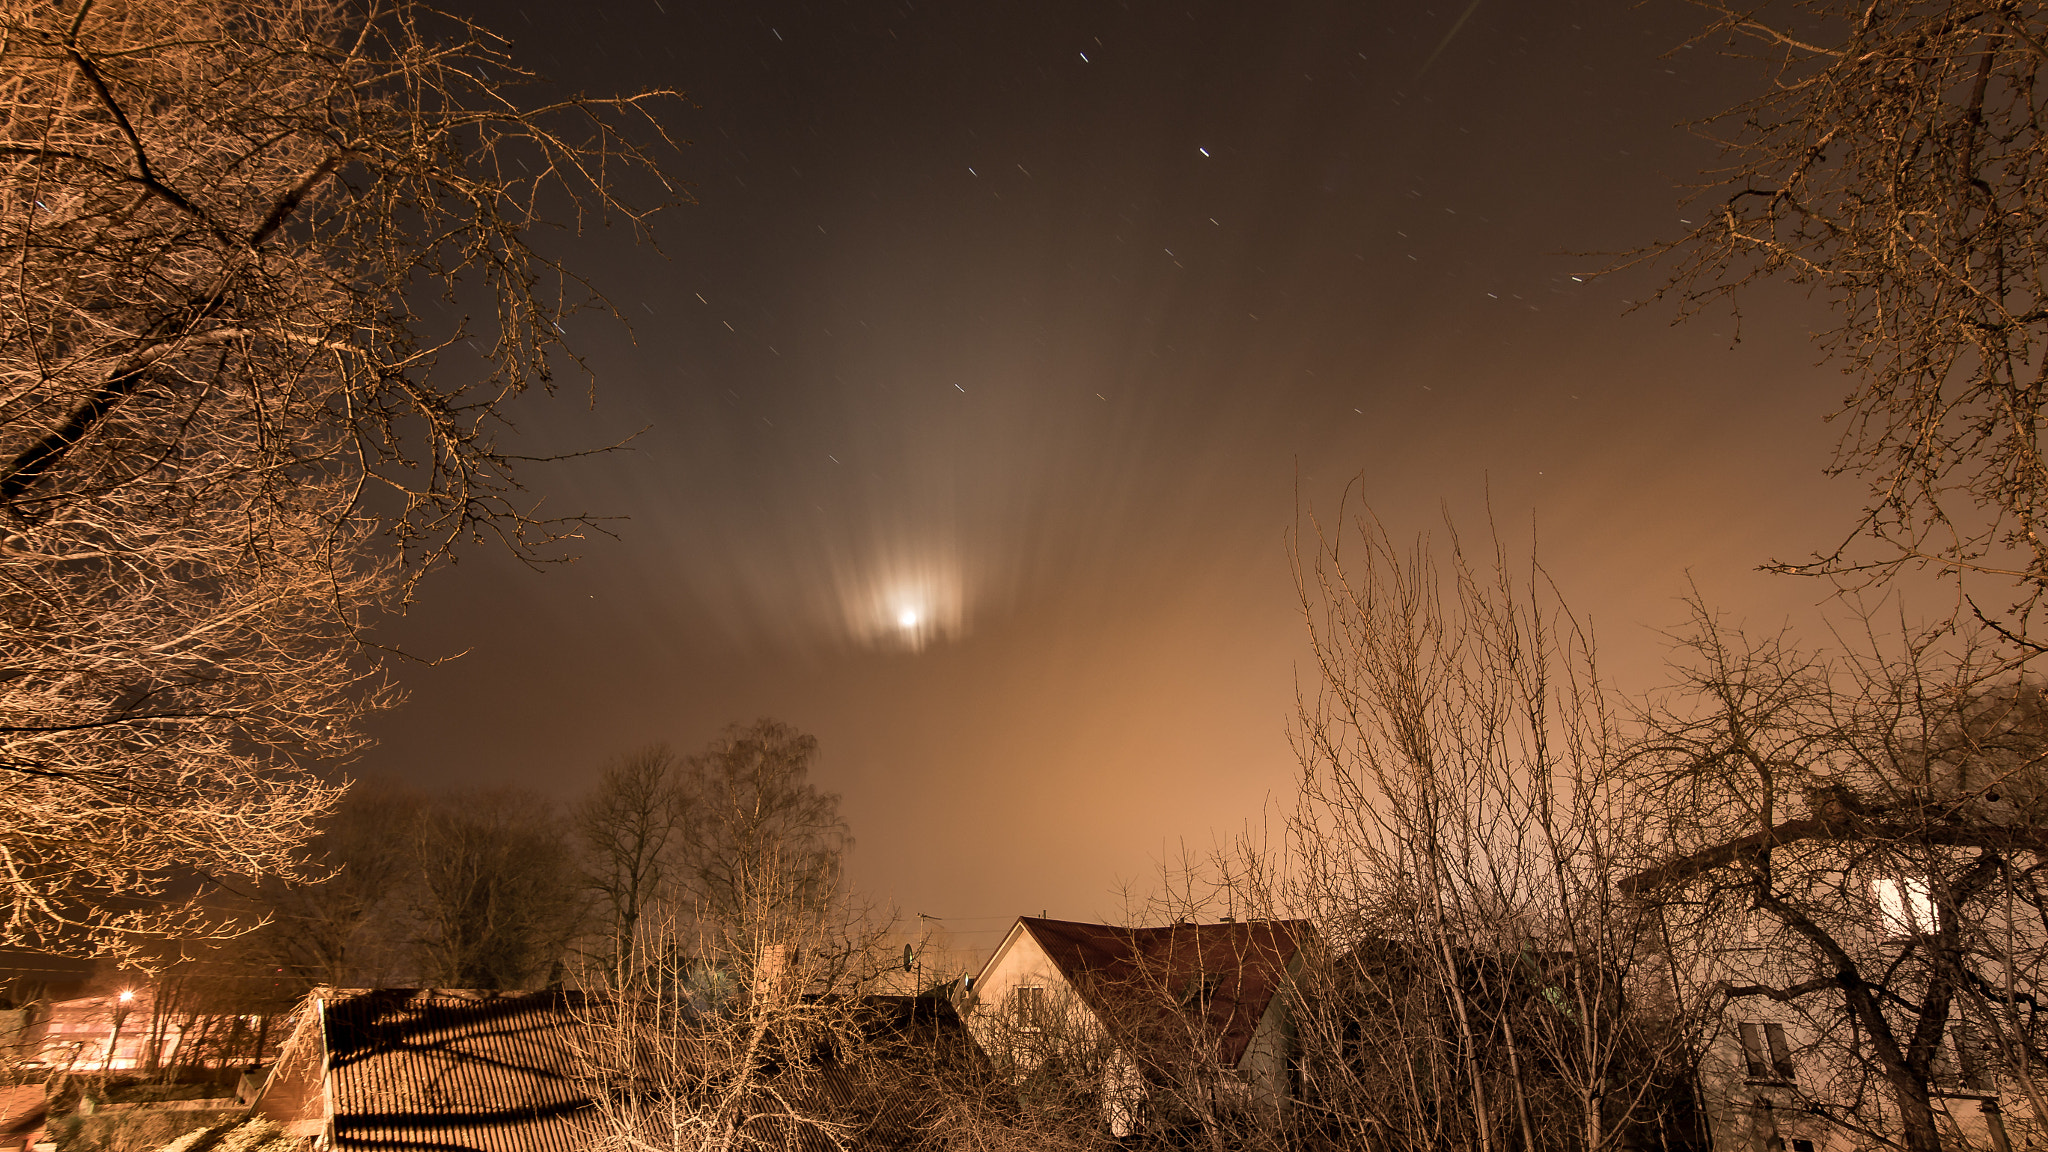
x=911, y=599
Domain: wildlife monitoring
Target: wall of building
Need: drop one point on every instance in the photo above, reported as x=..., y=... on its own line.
x=97, y=1033
x=991, y=1017
x=1264, y=1065
x=1770, y=1112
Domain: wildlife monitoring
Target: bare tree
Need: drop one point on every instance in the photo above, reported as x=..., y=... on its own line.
x=471, y=890
x=494, y=904
x=631, y=829
x=764, y=847
x=1848, y=853
x=706, y=1047
x=754, y=969
x=1460, y=821
x=1990, y=749
x=1894, y=162
x=342, y=923
x=228, y=438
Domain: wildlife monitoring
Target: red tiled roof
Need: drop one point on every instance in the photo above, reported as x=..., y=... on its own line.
x=493, y=1072
x=1121, y=969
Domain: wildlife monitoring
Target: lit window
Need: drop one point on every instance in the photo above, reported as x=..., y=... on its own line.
x=1905, y=906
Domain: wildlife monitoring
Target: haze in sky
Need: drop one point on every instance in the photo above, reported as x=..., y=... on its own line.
x=982, y=391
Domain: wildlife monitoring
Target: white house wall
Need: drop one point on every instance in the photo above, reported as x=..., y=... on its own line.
x=991, y=1019
x=1264, y=1063
x=1022, y=963
x=1745, y=1114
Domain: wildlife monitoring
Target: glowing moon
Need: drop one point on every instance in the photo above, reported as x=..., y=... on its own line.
x=904, y=603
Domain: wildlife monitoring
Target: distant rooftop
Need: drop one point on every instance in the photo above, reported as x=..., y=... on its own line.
x=1239, y=966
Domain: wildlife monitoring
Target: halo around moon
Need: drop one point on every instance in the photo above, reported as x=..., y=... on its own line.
x=905, y=602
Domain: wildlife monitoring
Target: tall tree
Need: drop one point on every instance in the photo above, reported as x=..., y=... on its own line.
x=342, y=923
x=749, y=987
x=1850, y=850
x=1894, y=162
x=1459, y=825
x=764, y=848
x=229, y=435
x=494, y=903
x=631, y=827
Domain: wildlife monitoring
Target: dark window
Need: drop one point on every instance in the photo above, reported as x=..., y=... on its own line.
x=1029, y=1006
x=1802, y=1146
x=1753, y=1049
x=1971, y=1059
x=1354, y=1047
x=1766, y=1052
x=1781, y=1052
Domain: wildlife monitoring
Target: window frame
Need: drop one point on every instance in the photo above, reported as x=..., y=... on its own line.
x=1958, y=1069
x=1028, y=1007
x=1766, y=1052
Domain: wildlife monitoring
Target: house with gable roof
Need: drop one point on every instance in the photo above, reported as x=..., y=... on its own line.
x=1172, y=1023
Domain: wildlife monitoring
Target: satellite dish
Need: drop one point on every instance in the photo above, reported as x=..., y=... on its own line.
x=907, y=957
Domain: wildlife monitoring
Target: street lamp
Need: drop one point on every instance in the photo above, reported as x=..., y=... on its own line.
x=122, y=1002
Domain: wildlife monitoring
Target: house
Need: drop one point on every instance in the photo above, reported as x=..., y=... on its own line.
x=115, y=1032
x=138, y=1030
x=1862, y=972
x=433, y=1068
x=1182, y=1023
x=35, y=977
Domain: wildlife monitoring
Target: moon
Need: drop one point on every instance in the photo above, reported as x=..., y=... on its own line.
x=904, y=603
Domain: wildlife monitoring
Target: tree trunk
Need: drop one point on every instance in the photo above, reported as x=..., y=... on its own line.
x=1916, y=1111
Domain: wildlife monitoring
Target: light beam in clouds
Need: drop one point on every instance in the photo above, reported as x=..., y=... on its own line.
x=910, y=599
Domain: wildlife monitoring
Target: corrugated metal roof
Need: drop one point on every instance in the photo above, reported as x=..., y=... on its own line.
x=487, y=1072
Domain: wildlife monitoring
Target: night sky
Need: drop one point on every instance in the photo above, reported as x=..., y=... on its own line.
x=1043, y=322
